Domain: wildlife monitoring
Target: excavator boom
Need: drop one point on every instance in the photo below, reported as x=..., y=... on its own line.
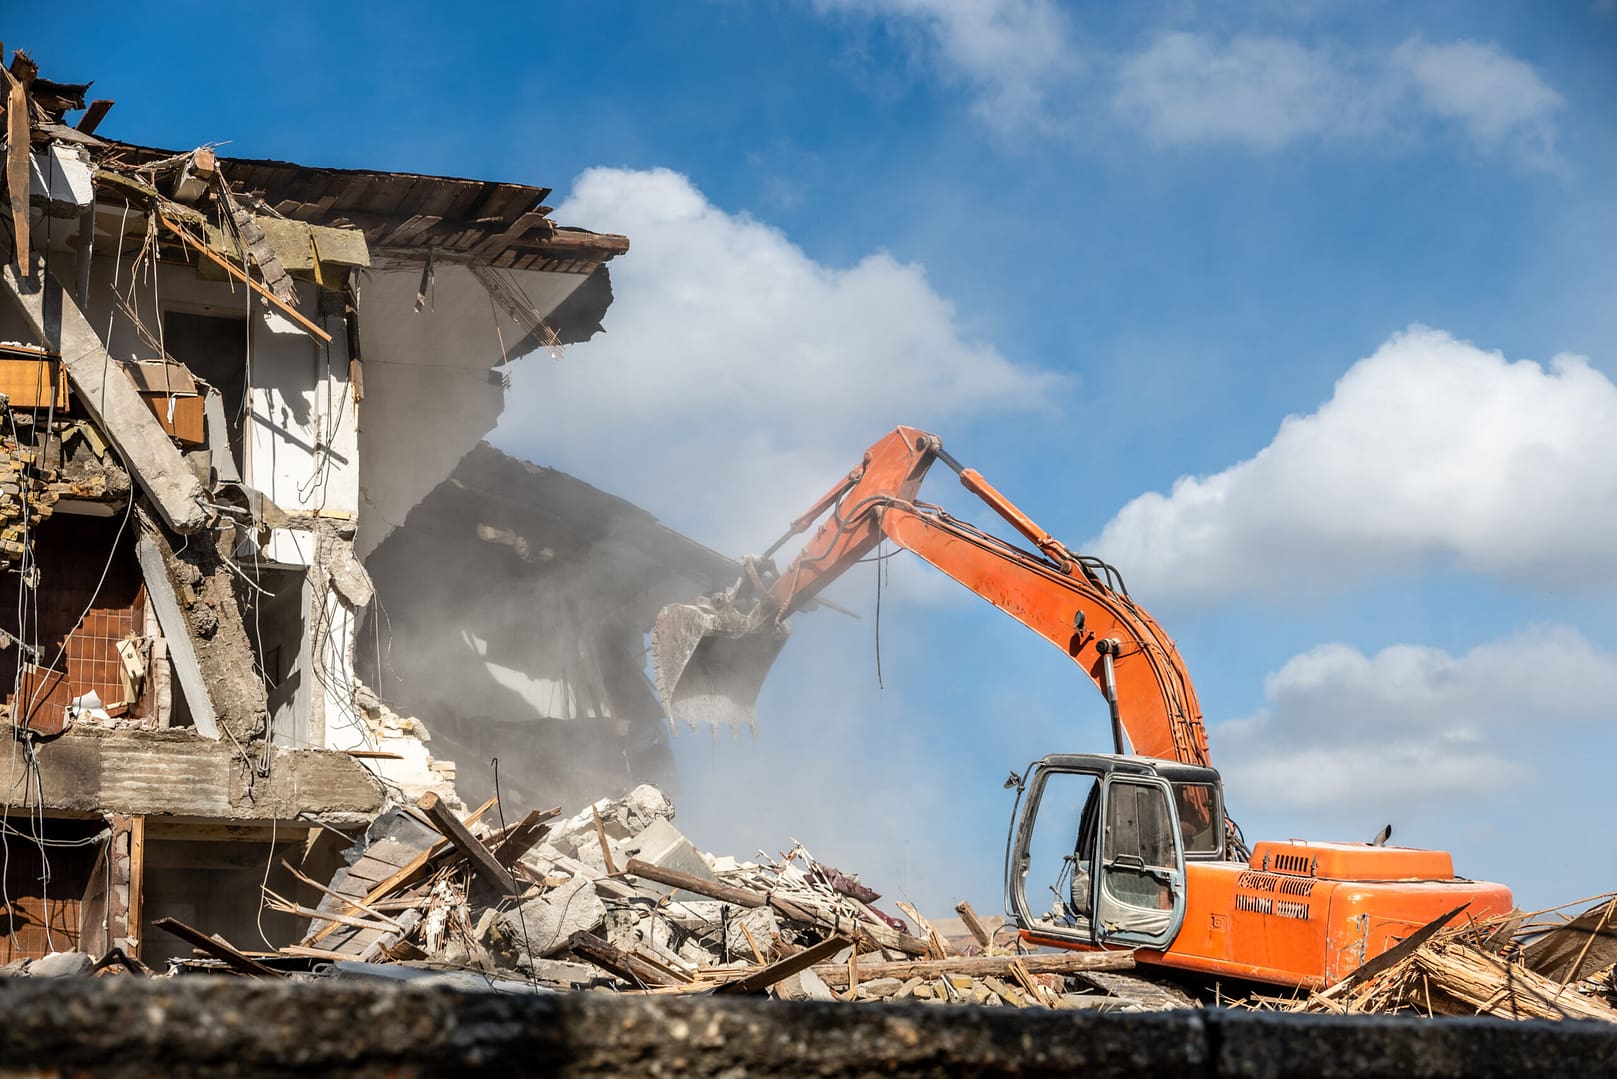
x=710, y=657
x=1150, y=866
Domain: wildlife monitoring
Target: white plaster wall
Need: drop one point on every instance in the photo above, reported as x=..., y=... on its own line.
x=428, y=397
x=303, y=445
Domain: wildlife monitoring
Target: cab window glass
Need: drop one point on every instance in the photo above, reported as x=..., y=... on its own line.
x=1199, y=823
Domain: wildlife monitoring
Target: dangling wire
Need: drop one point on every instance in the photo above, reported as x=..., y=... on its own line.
x=881, y=583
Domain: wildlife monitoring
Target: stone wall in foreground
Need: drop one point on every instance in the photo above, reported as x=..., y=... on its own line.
x=230, y=1026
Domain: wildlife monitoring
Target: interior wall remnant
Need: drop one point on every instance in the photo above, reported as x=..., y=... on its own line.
x=336, y=588
x=299, y=442
x=89, y=603
x=42, y=910
x=196, y=877
x=214, y=348
x=275, y=614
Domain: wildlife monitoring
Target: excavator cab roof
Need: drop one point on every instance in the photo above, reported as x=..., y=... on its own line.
x=1104, y=763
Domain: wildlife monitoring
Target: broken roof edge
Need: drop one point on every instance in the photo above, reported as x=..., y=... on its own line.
x=503, y=223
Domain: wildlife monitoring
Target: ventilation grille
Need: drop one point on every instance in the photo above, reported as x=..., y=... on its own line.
x=1292, y=886
x=1258, y=882
x=1294, y=863
x=1256, y=904
x=1289, y=908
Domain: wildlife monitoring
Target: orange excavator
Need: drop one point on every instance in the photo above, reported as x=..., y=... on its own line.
x=1134, y=847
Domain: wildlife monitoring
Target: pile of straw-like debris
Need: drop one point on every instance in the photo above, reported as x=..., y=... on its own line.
x=1516, y=966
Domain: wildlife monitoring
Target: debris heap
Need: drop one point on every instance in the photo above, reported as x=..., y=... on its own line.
x=616, y=898
x=1516, y=966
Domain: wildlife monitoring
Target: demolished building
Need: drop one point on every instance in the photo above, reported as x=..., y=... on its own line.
x=546, y=586
x=226, y=382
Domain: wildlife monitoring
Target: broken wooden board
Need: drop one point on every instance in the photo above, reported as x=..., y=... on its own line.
x=217, y=947
x=758, y=980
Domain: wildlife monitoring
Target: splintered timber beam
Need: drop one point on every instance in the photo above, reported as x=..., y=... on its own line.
x=109, y=395
x=868, y=934
x=974, y=926
x=94, y=115
x=235, y=271
x=782, y=969
x=624, y=967
x=979, y=966
x=17, y=168
x=483, y=861
x=407, y=875
x=217, y=947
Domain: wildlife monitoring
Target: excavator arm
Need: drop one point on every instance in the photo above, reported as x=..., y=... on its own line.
x=710, y=657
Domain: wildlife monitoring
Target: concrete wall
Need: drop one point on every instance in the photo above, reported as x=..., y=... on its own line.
x=428, y=394
x=89, y=770
x=197, y=1025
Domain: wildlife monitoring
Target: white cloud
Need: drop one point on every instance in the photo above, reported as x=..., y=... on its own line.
x=1429, y=450
x=1411, y=724
x=1265, y=92
x=738, y=377
x=1012, y=53
x=1500, y=101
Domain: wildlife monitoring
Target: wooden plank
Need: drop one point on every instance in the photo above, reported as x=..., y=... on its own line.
x=940, y=947
x=977, y=966
x=975, y=927
x=759, y=980
x=313, y=953
x=483, y=861
x=521, y=839
x=628, y=968
x=217, y=947
x=741, y=897
x=235, y=271
x=137, y=882
x=606, y=848
x=322, y=889
x=408, y=874
x=94, y=115
x=17, y=170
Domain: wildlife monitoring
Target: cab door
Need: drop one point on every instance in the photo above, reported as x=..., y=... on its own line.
x=1139, y=884
x=1095, y=855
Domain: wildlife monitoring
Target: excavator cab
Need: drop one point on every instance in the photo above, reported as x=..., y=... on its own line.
x=1097, y=855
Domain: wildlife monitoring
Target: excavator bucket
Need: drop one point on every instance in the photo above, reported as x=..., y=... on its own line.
x=710, y=660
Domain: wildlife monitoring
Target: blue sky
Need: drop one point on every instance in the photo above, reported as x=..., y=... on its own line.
x=1098, y=248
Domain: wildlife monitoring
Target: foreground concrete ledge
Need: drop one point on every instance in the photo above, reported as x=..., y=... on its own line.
x=231, y=1026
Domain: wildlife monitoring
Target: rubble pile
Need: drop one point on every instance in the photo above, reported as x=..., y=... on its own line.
x=1512, y=967
x=616, y=898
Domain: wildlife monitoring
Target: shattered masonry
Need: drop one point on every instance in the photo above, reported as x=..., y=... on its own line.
x=225, y=384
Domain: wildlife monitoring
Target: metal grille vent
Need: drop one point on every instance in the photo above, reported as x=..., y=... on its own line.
x=1258, y=882
x=1297, y=887
x=1294, y=863
x=1288, y=908
x=1256, y=904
